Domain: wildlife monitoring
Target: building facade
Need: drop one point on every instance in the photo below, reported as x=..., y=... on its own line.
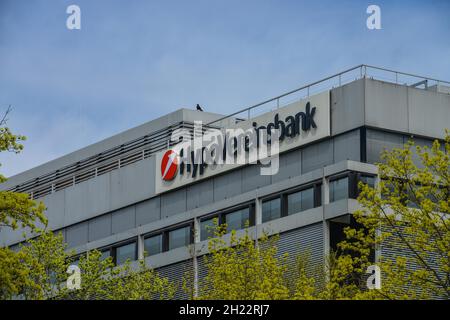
x=113, y=195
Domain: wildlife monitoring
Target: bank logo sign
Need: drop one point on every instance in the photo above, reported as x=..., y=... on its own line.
x=257, y=141
x=169, y=165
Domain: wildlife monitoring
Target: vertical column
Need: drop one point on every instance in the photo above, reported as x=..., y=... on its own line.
x=258, y=211
x=194, y=255
x=325, y=225
x=258, y=217
x=378, y=231
x=140, y=247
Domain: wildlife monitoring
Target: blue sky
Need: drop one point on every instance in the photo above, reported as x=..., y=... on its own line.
x=133, y=61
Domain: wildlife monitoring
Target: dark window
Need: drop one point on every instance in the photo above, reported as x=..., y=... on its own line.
x=125, y=252
x=207, y=228
x=237, y=219
x=271, y=209
x=337, y=234
x=153, y=245
x=179, y=237
x=369, y=180
x=105, y=254
x=339, y=189
x=300, y=201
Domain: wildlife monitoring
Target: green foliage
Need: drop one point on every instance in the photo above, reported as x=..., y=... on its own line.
x=17, y=210
x=240, y=268
x=41, y=266
x=408, y=213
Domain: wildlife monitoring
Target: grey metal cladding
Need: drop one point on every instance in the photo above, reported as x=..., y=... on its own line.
x=175, y=273
x=317, y=155
x=77, y=234
x=347, y=107
x=289, y=166
x=100, y=227
x=306, y=241
x=228, y=185
x=123, y=219
x=377, y=141
x=148, y=211
x=253, y=179
x=200, y=194
x=347, y=146
x=173, y=202
x=392, y=248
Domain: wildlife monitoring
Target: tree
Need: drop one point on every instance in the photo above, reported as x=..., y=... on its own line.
x=406, y=213
x=47, y=259
x=242, y=268
x=17, y=210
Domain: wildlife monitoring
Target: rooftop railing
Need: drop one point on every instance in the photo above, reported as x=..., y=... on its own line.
x=335, y=80
x=144, y=147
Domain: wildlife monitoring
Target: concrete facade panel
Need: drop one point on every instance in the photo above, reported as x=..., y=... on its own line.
x=173, y=203
x=429, y=113
x=386, y=105
x=100, y=227
x=148, y=211
x=123, y=219
x=200, y=194
x=55, y=204
x=289, y=166
x=132, y=183
x=253, y=179
x=228, y=185
x=347, y=146
x=377, y=141
x=347, y=107
x=77, y=234
x=317, y=155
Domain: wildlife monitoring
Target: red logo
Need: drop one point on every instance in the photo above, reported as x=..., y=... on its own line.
x=169, y=165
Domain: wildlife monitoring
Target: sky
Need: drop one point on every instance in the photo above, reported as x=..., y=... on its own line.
x=133, y=61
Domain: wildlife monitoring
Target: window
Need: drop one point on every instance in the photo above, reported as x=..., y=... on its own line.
x=179, y=237
x=153, y=245
x=271, y=209
x=300, y=201
x=125, y=252
x=370, y=180
x=237, y=219
x=207, y=228
x=105, y=254
x=339, y=189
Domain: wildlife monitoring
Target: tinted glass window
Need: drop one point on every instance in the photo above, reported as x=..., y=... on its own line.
x=153, y=245
x=370, y=180
x=207, y=228
x=105, y=254
x=339, y=189
x=271, y=209
x=125, y=252
x=179, y=237
x=300, y=201
x=238, y=219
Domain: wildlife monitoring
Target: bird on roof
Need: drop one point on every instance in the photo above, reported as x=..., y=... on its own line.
x=199, y=108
